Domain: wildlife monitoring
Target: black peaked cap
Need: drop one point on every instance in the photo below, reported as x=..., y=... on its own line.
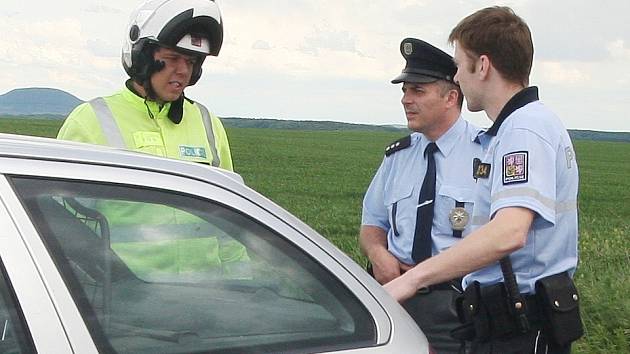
x=425, y=63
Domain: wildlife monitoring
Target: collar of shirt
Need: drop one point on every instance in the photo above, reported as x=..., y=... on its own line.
x=448, y=140
x=139, y=102
x=522, y=98
x=482, y=138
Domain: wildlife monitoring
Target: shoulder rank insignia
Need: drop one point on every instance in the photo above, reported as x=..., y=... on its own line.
x=398, y=145
x=480, y=169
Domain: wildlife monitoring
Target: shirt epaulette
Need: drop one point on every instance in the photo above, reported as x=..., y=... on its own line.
x=398, y=145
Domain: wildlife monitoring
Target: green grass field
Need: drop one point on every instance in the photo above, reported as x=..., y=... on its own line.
x=321, y=177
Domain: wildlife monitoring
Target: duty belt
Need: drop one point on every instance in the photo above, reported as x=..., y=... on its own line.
x=486, y=313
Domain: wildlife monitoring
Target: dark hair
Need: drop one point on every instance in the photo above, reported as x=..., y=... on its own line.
x=501, y=35
x=446, y=86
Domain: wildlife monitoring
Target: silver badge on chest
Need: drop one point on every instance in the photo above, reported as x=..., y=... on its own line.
x=459, y=218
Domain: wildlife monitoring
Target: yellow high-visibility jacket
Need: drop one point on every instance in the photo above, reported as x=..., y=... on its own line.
x=126, y=120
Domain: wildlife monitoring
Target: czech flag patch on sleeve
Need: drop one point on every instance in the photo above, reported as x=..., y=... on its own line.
x=515, y=167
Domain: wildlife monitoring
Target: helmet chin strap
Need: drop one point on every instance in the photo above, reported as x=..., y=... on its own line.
x=145, y=79
x=176, y=111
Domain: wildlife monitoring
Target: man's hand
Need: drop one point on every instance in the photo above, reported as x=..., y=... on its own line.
x=401, y=288
x=373, y=242
x=385, y=266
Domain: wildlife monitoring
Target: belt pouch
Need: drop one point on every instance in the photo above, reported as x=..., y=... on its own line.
x=560, y=303
x=472, y=311
x=465, y=332
x=495, y=300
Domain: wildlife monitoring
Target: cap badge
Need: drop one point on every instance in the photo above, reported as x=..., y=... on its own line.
x=458, y=218
x=407, y=48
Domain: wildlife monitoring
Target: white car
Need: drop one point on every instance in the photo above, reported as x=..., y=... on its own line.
x=109, y=251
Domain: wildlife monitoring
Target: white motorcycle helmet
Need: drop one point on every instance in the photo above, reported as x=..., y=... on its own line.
x=189, y=26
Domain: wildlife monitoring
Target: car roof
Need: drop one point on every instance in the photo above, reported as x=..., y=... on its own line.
x=47, y=149
x=38, y=148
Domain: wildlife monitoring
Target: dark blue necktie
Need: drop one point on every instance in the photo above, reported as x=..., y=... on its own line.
x=424, y=216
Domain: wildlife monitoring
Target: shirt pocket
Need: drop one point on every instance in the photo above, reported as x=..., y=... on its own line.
x=149, y=142
x=449, y=216
x=401, y=209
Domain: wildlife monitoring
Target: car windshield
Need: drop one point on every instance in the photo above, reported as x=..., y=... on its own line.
x=157, y=271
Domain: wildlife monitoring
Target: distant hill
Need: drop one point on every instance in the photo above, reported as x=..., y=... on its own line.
x=327, y=125
x=37, y=101
x=304, y=124
x=266, y=123
x=597, y=135
x=49, y=103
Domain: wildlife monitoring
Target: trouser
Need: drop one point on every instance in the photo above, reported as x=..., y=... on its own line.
x=434, y=312
x=433, y=309
x=533, y=342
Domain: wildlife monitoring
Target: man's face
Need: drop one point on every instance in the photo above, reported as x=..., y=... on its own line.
x=169, y=83
x=466, y=78
x=425, y=107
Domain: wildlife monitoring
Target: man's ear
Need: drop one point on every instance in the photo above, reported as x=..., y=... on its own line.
x=483, y=65
x=452, y=98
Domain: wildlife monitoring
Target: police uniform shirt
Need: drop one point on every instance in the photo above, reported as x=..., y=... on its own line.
x=391, y=200
x=529, y=163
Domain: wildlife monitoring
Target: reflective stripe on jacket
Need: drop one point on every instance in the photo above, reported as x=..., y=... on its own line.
x=125, y=120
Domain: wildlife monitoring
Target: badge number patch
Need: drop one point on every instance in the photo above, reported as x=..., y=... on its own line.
x=515, y=167
x=480, y=169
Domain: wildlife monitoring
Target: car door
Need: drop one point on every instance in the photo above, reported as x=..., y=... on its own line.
x=29, y=318
x=135, y=261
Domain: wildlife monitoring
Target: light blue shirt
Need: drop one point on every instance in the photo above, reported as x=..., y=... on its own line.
x=532, y=166
x=391, y=200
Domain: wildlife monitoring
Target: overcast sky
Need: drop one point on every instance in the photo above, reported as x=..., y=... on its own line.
x=326, y=59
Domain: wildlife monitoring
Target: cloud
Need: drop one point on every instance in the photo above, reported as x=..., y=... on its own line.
x=102, y=48
x=323, y=59
x=261, y=45
x=46, y=43
x=333, y=40
x=576, y=30
x=619, y=50
x=296, y=97
x=100, y=8
x=562, y=73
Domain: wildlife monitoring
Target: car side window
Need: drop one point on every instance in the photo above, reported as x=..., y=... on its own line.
x=158, y=271
x=14, y=333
